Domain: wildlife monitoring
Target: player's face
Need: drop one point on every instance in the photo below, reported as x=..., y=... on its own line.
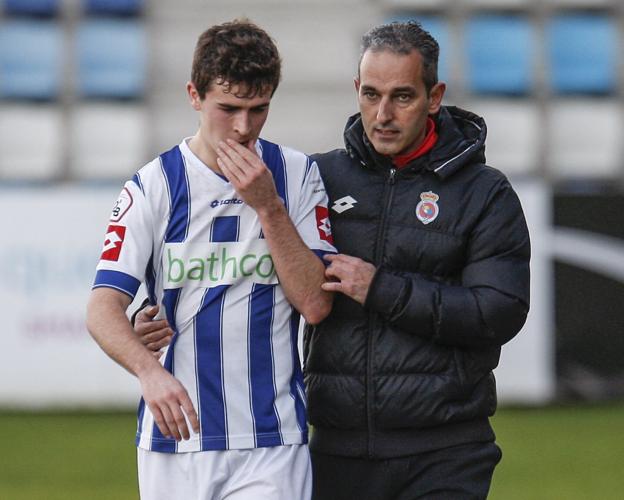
x=393, y=100
x=223, y=116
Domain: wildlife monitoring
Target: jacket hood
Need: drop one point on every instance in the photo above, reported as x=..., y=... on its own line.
x=461, y=140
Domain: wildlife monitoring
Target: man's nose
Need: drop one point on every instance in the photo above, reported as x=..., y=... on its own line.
x=242, y=124
x=384, y=111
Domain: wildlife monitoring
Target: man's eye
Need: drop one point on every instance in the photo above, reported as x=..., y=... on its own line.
x=403, y=97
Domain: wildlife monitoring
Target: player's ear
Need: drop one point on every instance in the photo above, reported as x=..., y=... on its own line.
x=193, y=95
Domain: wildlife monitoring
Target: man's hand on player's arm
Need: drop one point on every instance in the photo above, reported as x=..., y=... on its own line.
x=300, y=272
x=153, y=333
x=165, y=396
x=349, y=275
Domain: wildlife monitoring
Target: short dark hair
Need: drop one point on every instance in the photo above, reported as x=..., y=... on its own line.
x=236, y=53
x=403, y=38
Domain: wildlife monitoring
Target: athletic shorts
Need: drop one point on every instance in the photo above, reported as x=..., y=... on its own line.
x=275, y=473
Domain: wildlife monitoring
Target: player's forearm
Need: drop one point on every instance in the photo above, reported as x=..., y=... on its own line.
x=300, y=272
x=109, y=326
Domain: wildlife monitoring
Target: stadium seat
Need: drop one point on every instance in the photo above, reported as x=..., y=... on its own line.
x=513, y=134
x=31, y=7
x=108, y=141
x=30, y=59
x=31, y=142
x=111, y=59
x=439, y=29
x=584, y=53
x=585, y=138
x=118, y=7
x=500, y=53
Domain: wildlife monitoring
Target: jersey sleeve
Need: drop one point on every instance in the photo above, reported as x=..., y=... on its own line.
x=127, y=243
x=312, y=217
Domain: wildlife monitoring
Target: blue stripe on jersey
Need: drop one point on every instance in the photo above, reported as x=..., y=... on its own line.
x=263, y=394
x=320, y=254
x=208, y=348
x=150, y=280
x=274, y=159
x=117, y=280
x=225, y=228
x=307, y=170
x=297, y=390
x=170, y=302
x=174, y=171
x=208, y=331
x=137, y=180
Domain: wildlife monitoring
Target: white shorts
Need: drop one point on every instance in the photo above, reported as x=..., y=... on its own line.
x=275, y=473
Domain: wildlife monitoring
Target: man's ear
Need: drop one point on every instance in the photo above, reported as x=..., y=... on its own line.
x=356, y=82
x=435, y=97
x=193, y=95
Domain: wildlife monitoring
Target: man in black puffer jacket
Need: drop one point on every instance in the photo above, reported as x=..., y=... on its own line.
x=431, y=280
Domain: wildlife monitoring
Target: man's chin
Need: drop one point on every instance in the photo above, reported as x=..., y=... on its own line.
x=385, y=149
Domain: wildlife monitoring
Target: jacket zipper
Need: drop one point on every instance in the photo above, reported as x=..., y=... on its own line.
x=388, y=194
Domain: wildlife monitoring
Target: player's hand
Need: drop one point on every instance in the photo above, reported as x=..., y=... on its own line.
x=249, y=175
x=170, y=404
x=348, y=275
x=153, y=333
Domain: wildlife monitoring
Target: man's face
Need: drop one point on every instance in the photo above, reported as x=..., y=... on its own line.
x=393, y=100
x=223, y=115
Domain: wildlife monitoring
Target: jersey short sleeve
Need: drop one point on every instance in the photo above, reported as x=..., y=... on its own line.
x=312, y=215
x=127, y=244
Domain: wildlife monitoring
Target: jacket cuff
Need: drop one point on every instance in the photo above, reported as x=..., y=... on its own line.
x=385, y=292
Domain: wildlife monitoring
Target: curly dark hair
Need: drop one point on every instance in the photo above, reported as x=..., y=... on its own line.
x=402, y=38
x=236, y=53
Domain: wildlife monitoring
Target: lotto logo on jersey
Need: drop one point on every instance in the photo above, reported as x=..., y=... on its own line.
x=112, y=242
x=322, y=224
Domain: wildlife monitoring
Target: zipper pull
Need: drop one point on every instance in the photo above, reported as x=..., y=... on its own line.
x=391, y=178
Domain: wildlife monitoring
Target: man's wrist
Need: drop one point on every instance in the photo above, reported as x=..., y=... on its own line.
x=272, y=208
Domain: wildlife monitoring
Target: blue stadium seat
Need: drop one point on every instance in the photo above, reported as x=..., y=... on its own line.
x=583, y=50
x=31, y=7
x=439, y=29
x=119, y=7
x=111, y=59
x=500, y=51
x=30, y=59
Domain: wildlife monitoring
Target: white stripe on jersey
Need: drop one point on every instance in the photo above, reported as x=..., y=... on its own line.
x=201, y=249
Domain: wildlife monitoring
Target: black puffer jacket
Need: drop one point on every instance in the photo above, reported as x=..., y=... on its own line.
x=411, y=371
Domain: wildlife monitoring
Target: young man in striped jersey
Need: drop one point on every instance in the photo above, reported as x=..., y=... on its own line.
x=226, y=231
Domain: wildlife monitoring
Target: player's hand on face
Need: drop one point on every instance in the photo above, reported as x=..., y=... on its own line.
x=348, y=275
x=170, y=404
x=153, y=333
x=248, y=174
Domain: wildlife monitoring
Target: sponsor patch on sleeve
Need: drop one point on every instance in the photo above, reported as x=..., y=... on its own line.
x=322, y=224
x=122, y=205
x=113, y=242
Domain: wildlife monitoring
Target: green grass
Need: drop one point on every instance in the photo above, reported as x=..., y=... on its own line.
x=77, y=456
x=566, y=453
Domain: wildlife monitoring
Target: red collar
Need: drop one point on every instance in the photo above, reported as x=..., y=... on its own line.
x=429, y=141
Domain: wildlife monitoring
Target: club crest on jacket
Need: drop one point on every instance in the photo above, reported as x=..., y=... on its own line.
x=427, y=209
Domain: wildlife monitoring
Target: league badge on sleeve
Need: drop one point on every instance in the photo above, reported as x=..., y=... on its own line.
x=322, y=224
x=122, y=205
x=113, y=242
x=427, y=209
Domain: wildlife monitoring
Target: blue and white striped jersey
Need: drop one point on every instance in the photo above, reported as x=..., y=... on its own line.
x=182, y=229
